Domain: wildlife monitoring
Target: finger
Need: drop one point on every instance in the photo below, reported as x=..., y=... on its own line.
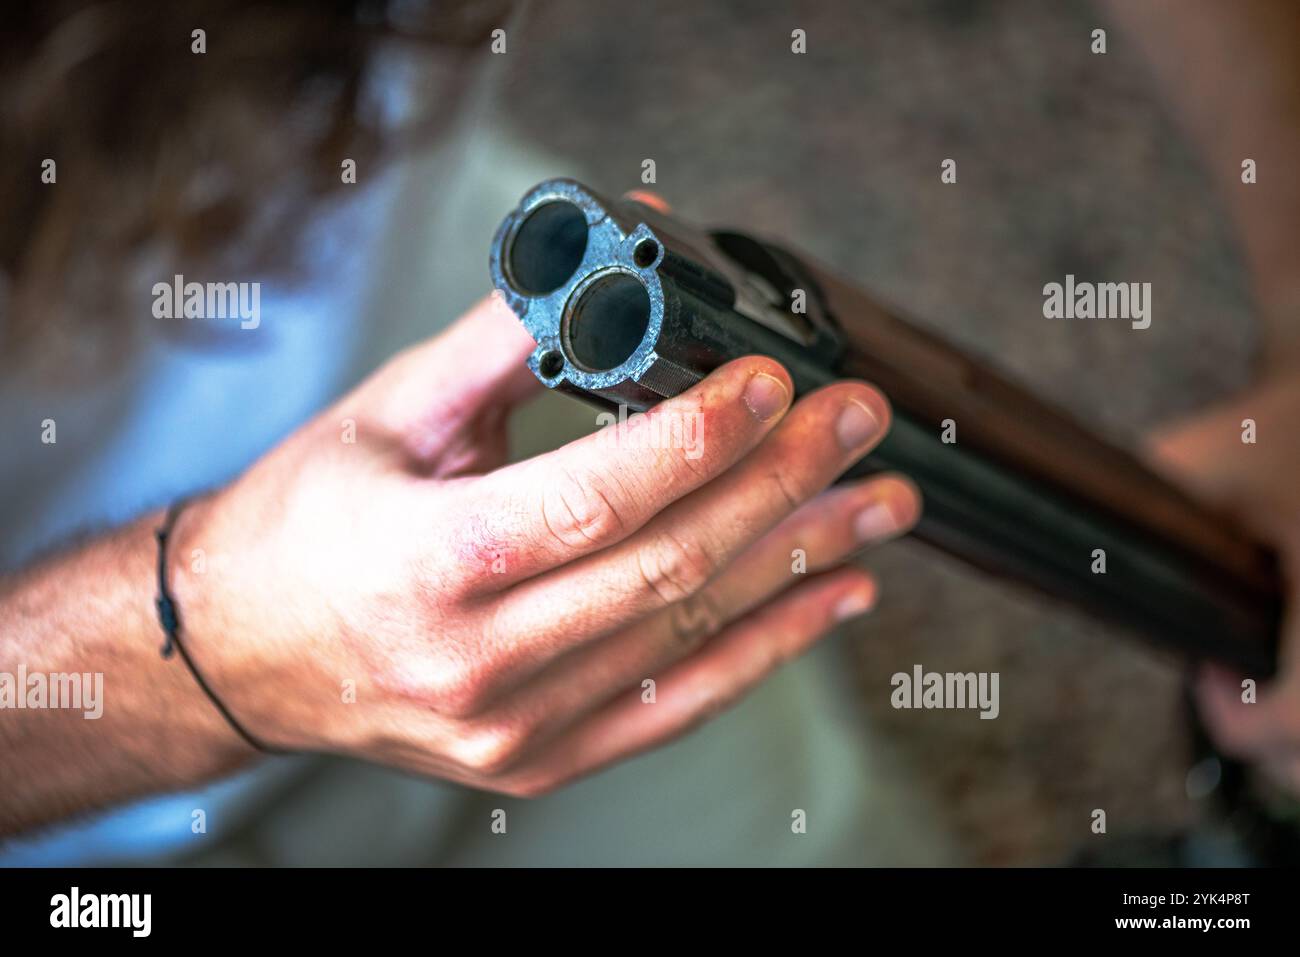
x=1207, y=455
x=1197, y=453
x=1246, y=728
x=826, y=530
x=536, y=515
x=649, y=198
x=700, y=686
x=432, y=391
x=682, y=549
x=817, y=537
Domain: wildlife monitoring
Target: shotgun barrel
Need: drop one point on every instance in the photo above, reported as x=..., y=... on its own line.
x=629, y=306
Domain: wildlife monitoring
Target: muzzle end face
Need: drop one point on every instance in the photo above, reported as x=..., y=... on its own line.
x=583, y=278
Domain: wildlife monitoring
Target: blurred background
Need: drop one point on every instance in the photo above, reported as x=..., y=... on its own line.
x=1067, y=163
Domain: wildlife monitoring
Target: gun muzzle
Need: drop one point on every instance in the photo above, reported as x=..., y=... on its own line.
x=628, y=306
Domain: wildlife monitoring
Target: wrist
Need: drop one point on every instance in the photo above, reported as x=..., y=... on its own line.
x=206, y=645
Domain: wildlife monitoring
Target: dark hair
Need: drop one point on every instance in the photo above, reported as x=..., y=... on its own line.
x=179, y=158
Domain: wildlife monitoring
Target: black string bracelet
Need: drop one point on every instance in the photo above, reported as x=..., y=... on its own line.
x=169, y=618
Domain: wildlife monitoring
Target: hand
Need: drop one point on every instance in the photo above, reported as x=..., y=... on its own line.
x=497, y=623
x=1259, y=482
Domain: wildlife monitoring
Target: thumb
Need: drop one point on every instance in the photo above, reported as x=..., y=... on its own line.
x=473, y=371
x=1249, y=728
x=1241, y=455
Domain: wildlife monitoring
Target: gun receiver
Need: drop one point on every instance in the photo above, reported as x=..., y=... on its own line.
x=629, y=306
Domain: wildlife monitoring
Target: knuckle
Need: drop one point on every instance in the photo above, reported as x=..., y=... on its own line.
x=434, y=590
x=472, y=543
x=581, y=512
x=675, y=568
x=531, y=788
x=463, y=690
x=492, y=749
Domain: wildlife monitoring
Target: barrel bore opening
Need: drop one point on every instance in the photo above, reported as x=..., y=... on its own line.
x=607, y=323
x=547, y=248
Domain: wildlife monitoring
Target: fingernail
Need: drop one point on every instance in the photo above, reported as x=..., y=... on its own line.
x=850, y=606
x=855, y=426
x=765, y=396
x=875, y=523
